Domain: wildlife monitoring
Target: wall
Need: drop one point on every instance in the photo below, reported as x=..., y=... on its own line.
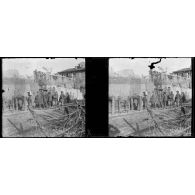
x=46, y=79
x=74, y=93
x=129, y=87
x=79, y=80
x=125, y=87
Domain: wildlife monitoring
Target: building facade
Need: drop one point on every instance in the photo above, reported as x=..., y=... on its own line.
x=185, y=72
x=77, y=74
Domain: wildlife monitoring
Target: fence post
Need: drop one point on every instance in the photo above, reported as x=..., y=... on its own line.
x=12, y=104
x=128, y=105
x=131, y=99
x=140, y=103
x=119, y=106
x=25, y=104
x=16, y=103
x=113, y=105
x=129, y=102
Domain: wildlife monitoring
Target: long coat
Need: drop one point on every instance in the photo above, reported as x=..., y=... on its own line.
x=40, y=98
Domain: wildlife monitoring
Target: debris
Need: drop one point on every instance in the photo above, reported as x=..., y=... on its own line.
x=61, y=124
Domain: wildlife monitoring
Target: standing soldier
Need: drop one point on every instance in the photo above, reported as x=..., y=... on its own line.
x=67, y=97
x=20, y=103
x=183, y=98
x=156, y=98
x=152, y=100
x=135, y=103
x=172, y=98
x=62, y=98
x=10, y=103
x=37, y=100
x=53, y=97
x=177, y=98
x=14, y=102
x=50, y=99
x=144, y=99
x=29, y=99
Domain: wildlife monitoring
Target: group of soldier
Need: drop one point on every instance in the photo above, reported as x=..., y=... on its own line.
x=15, y=103
x=46, y=99
x=43, y=99
x=163, y=99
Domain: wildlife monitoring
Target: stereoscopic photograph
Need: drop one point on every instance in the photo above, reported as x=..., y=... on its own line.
x=150, y=97
x=43, y=97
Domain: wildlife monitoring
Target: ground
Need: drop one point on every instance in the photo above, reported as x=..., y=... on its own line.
x=141, y=124
x=51, y=124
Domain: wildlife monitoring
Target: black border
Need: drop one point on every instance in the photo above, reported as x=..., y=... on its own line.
x=1, y=67
x=97, y=96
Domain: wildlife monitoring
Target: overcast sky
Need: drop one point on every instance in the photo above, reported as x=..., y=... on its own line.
x=26, y=66
x=140, y=65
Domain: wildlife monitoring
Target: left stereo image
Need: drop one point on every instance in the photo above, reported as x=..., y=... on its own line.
x=43, y=97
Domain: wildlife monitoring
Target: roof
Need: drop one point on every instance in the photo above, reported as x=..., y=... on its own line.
x=79, y=68
x=183, y=70
x=71, y=70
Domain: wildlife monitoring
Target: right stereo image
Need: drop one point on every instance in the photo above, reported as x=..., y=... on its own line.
x=150, y=97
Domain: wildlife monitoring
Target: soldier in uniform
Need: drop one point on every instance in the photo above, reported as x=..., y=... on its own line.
x=37, y=100
x=50, y=99
x=29, y=99
x=67, y=97
x=62, y=98
x=55, y=98
x=20, y=102
x=177, y=98
x=152, y=100
x=172, y=98
x=156, y=99
x=183, y=98
x=10, y=101
x=135, y=103
x=145, y=100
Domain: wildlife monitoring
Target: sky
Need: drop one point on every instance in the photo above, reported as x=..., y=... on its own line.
x=26, y=66
x=140, y=65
